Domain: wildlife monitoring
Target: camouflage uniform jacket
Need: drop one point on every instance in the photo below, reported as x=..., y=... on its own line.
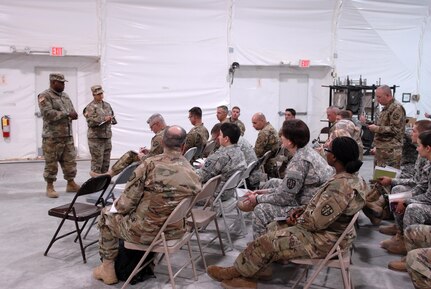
x=239, y=123
x=55, y=108
x=329, y=213
x=157, y=186
x=408, y=158
x=95, y=113
x=156, y=145
x=350, y=127
x=250, y=156
x=419, y=181
x=225, y=162
x=267, y=140
x=391, y=122
x=305, y=173
x=197, y=137
x=425, y=197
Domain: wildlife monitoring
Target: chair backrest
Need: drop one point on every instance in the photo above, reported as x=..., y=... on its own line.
x=247, y=172
x=99, y=183
x=209, y=147
x=208, y=189
x=178, y=214
x=122, y=178
x=231, y=183
x=262, y=161
x=347, y=230
x=189, y=154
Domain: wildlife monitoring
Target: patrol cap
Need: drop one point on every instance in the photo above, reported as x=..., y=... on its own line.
x=57, y=76
x=96, y=89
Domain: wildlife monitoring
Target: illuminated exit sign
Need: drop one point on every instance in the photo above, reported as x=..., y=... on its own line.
x=56, y=51
x=304, y=63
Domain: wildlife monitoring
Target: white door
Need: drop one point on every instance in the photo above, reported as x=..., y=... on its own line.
x=42, y=83
x=293, y=93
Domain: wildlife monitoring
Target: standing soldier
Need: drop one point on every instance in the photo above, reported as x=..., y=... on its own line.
x=389, y=129
x=100, y=116
x=236, y=112
x=57, y=139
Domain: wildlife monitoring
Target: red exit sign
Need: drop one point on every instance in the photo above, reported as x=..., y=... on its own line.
x=56, y=51
x=304, y=63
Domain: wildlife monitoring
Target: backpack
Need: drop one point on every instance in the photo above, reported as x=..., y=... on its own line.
x=127, y=260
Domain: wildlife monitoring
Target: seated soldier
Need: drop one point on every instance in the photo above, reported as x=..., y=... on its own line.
x=226, y=160
x=314, y=229
x=417, y=184
x=418, y=261
x=305, y=173
x=157, y=125
x=159, y=184
x=198, y=135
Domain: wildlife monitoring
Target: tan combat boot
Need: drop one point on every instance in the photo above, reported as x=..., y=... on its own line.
x=222, y=273
x=399, y=265
x=50, y=191
x=72, y=187
x=395, y=245
x=241, y=283
x=106, y=272
x=389, y=229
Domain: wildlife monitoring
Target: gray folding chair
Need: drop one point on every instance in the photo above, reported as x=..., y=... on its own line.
x=190, y=153
x=246, y=174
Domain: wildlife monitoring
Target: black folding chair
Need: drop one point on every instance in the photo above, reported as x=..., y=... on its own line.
x=80, y=212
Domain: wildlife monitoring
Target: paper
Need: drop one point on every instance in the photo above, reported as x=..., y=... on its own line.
x=113, y=209
x=385, y=172
x=399, y=196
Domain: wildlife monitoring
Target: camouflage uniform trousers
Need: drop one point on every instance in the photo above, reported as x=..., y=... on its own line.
x=417, y=213
x=100, y=150
x=112, y=227
x=399, y=217
x=123, y=162
x=59, y=150
x=418, y=262
x=264, y=213
x=388, y=157
x=268, y=248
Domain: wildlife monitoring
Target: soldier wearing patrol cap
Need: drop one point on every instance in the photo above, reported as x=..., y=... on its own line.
x=100, y=116
x=57, y=139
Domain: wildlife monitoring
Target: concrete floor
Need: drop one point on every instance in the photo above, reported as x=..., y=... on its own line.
x=26, y=230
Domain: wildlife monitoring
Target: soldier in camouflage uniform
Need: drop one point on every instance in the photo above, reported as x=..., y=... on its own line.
x=418, y=261
x=344, y=122
x=389, y=129
x=198, y=135
x=236, y=112
x=221, y=113
x=157, y=125
x=226, y=160
x=305, y=173
x=159, y=184
x=409, y=156
x=57, y=138
x=267, y=140
x=313, y=232
x=99, y=115
x=289, y=114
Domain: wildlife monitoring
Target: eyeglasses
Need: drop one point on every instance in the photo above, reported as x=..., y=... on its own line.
x=328, y=151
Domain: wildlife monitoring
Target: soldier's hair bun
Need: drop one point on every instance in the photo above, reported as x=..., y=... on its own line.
x=346, y=150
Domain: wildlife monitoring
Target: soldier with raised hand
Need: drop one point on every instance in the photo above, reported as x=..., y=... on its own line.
x=226, y=160
x=100, y=116
x=57, y=138
x=158, y=185
x=267, y=140
x=198, y=135
x=313, y=229
x=234, y=118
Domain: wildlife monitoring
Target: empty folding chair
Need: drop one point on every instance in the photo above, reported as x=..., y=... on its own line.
x=201, y=217
x=223, y=207
x=80, y=212
x=336, y=258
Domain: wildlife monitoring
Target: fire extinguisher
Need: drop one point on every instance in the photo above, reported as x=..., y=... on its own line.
x=5, y=125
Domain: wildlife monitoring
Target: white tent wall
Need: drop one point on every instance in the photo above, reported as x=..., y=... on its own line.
x=167, y=56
